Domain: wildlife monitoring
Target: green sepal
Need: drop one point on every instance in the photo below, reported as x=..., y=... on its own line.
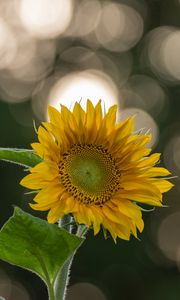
x=36, y=245
x=23, y=157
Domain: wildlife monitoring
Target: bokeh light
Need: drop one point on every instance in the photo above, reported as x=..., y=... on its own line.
x=46, y=19
x=172, y=155
x=80, y=86
x=33, y=61
x=10, y=289
x=85, y=290
x=5, y=284
x=86, y=18
x=161, y=53
x=8, y=45
x=168, y=236
x=144, y=92
x=171, y=54
x=120, y=27
x=82, y=57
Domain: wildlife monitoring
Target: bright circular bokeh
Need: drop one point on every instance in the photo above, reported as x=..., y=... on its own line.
x=120, y=27
x=160, y=52
x=168, y=236
x=80, y=86
x=146, y=93
x=86, y=18
x=85, y=290
x=46, y=19
x=172, y=155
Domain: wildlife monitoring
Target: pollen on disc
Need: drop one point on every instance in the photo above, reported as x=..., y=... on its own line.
x=89, y=173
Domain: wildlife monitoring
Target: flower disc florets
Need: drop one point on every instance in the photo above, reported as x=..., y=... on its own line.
x=89, y=174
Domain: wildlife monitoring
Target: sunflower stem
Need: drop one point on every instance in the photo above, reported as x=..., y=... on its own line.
x=62, y=279
x=51, y=292
x=82, y=230
x=63, y=276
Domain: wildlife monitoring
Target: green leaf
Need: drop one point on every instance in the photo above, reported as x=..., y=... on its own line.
x=1, y=298
x=23, y=157
x=36, y=245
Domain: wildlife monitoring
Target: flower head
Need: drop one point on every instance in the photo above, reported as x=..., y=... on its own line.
x=96, y=170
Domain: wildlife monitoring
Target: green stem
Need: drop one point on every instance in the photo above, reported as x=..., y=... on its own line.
x=82, y=230
x=51, y=292
x=62, y=279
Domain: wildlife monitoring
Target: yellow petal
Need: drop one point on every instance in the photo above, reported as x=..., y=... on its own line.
x=50, y=194
x=70, y=205
x=90, y=123
x=110, y=118
x=163, y=185
x=153, y=172
x=109, y=226
x=142, y=196
x=98, y=113
x=38, y=149
x=128, y=208
x=54, y=115
x=81, y=216
x=117, y=229
x=115, y=216
x=46, y=167
x=96, y=218
x=69, y=120
x=79, y=115
x=55, y=214
x=55, y=131
x=48, y=143
x=136, y=155
x=42, y=206
x=124, y=129
x=34, y=181
x=149, y=161
x=106, y=125
x=141, y=185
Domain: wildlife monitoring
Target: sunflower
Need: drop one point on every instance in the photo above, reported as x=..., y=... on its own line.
x=95, y=169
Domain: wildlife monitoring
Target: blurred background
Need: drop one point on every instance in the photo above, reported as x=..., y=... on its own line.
x=124, y=52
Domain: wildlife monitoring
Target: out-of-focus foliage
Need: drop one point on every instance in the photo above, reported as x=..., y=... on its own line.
x=124, y=52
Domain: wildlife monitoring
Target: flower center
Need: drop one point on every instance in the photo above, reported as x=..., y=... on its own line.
x=89, y=173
